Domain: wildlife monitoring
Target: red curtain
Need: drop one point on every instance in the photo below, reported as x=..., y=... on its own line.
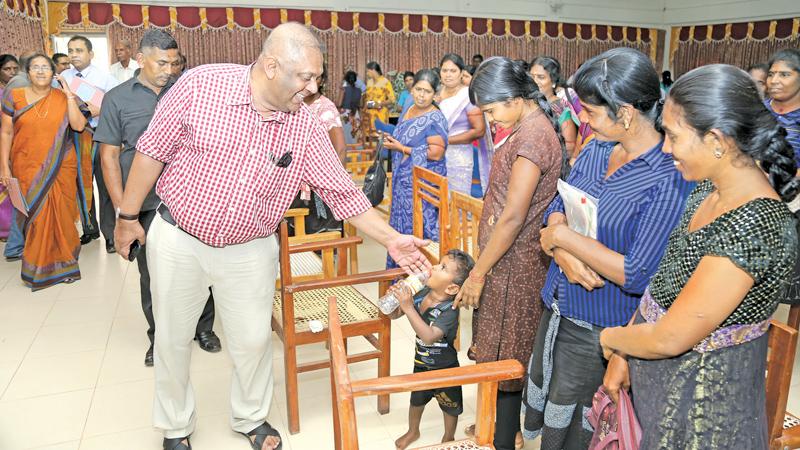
x=739, y=44
x=20, y=32
x=394, y=51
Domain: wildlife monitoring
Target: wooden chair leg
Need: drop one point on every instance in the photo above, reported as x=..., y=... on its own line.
x=384, y=362
x=292, y=404
x=457, y=341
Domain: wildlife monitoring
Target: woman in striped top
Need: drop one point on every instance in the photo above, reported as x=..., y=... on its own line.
x=598, y=283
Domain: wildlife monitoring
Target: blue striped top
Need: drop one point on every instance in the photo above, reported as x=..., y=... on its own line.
x=791, y=122
x=639, y=205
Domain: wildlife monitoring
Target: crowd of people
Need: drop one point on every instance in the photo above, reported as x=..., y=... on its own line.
x=668, y=294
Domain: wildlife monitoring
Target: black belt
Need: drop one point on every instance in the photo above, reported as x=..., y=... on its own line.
x=166, y=215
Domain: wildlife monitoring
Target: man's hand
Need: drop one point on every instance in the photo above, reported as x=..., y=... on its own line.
x=404, y=250
x=125, y=232
x=576, y=271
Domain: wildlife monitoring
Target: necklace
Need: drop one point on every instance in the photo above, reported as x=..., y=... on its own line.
x=43, y=102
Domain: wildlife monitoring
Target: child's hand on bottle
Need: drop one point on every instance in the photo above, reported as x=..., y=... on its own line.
x=404, y=296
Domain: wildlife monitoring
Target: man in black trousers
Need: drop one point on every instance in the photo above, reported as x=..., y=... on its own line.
x=124, y=116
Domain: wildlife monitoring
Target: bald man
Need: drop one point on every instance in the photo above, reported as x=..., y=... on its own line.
x=234, y=143
x=125, y=67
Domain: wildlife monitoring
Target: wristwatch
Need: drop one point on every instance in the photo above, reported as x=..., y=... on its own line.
x=123, y=216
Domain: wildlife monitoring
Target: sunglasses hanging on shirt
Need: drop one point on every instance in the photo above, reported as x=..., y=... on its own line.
x=283, y=161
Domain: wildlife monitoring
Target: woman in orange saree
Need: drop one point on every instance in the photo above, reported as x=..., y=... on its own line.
x=51, y=159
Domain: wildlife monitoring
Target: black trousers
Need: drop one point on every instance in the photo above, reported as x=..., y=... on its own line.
x=507, y=422
x=206, y=322
x=107, y=215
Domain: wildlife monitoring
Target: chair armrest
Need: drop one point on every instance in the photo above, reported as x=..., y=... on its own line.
x=361, y=278
x=508, y=369
x=325, y=245
x=316, y=237
x=296, y=212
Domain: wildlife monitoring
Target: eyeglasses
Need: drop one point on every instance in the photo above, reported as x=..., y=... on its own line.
x=42, y=69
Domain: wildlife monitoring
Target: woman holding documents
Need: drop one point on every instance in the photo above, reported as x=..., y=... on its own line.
x=510, y=272
x=698, y=345
x=631, y=197
x=39, y=153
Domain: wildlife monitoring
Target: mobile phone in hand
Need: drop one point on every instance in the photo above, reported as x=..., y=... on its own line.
x=133, y=250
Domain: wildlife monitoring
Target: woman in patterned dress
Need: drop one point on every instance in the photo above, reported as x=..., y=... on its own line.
x=697, y=347
x=379, y=96
x=418, y=140
x=510, y=272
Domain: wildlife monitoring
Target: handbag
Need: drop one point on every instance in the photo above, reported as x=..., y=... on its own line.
x=375, y=179
x=615, y=425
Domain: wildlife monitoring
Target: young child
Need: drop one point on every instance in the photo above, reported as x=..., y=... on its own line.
x=435, y=322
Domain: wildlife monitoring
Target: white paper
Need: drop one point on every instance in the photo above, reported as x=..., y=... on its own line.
x=580, y=209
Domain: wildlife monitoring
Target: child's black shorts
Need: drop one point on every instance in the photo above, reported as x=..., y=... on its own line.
x=449, y=398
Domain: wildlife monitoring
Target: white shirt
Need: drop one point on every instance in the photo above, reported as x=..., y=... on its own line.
x=94, y=76
x=123, y=74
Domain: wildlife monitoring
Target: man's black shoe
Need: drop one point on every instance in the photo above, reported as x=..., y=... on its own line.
x=110, y=247
x=148, y=357
x=86, y=238
x=209, y=341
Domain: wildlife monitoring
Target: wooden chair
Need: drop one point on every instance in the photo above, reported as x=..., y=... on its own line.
x=297, y=304
x=430, y=187
x=307, y=265
x=465, y=219
x=344, y=391
x=783, y=427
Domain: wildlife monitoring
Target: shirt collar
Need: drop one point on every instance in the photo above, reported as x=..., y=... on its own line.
x=241, y=95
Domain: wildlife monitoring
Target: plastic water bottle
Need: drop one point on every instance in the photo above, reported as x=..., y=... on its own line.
x=389, y=302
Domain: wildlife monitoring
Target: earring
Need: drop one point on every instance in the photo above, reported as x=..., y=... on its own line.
x=718, y=153
x=627, y=125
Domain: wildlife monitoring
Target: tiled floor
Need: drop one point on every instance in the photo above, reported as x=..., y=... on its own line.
x=71, y=372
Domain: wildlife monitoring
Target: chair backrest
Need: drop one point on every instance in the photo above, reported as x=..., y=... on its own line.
x=465, y=219
x=780, y=363
x=344, y=390
x=430, y=187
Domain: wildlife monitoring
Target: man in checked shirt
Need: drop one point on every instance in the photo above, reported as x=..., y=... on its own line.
x=234, y=144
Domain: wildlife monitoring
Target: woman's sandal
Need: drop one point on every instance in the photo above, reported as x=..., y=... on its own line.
x=471, y=353
x=519, y=442
x=261, y=433
x=177, y=443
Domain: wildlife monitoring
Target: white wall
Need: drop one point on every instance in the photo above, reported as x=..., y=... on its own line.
x=612, y=12
x=694, y=12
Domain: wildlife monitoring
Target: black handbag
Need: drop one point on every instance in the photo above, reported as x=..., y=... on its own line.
x=375, y=179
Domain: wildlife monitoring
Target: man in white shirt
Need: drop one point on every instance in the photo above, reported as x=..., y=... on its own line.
x=79, y=50
x=125, y=67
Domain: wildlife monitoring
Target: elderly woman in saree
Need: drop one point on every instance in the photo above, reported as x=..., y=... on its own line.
x=419, y=139
x=41, y=145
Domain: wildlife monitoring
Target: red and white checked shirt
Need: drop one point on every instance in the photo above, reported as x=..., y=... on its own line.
x=221, y=182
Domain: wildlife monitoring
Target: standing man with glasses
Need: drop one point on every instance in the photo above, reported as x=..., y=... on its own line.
x=234, y=143
x=126, y=111
x=79, y=50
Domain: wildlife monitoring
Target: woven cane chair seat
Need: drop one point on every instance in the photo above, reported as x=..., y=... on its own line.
x=466, y=444
x=305, y=264
x=313, y=305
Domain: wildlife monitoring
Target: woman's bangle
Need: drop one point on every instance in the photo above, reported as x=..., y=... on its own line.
x=477, y=278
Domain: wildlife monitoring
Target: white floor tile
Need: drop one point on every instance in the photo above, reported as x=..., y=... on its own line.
x=55, y=374
x=41, y=421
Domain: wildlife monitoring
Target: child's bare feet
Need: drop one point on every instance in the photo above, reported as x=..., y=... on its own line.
x=405, y=440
